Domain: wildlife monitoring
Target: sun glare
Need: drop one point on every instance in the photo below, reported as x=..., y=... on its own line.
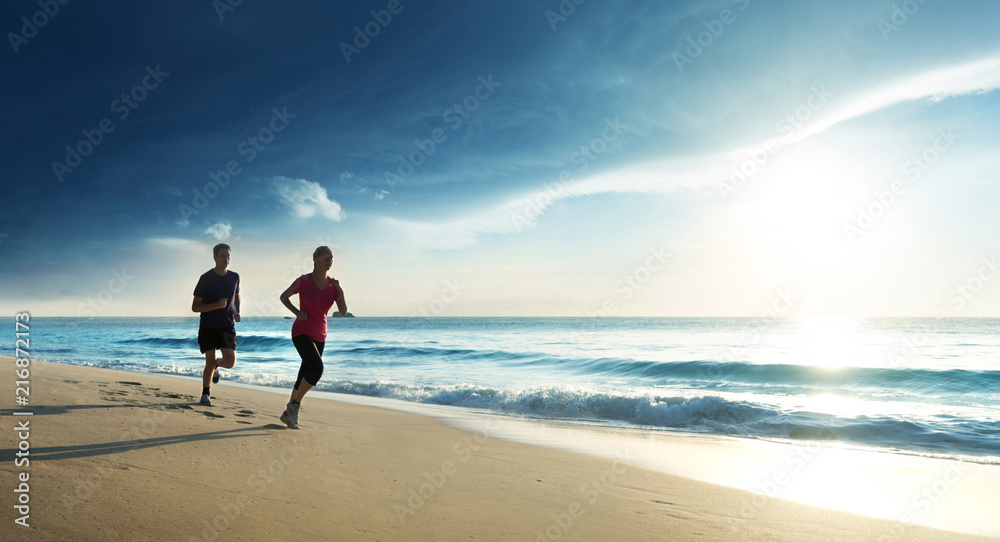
x=834, y=479
x=830, y=343
x=801, y=203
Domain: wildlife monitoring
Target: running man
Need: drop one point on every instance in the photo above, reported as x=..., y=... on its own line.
x=317, y=293
x=217, y=298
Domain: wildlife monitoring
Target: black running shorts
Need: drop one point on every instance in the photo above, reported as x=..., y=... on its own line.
x=214, y=338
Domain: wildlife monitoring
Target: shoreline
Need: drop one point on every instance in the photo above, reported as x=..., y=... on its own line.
x=757, y=465
x=131, y=456
x=614, y=424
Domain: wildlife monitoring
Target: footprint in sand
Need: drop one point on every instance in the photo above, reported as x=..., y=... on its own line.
x=114, y=395
x=212, y=414
x=246, y=413
x=118, y=396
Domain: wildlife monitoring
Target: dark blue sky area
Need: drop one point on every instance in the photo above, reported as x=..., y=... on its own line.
x=509, y=94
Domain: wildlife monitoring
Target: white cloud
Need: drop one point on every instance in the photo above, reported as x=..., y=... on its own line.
x=381, y=194
x=220, y=231
x=976, y=77
x=304, y=199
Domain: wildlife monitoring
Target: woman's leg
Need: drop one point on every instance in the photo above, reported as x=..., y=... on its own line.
x=300, y=392
x=311, y=369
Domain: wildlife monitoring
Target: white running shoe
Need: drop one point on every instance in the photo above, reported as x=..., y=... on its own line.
x=290, y=416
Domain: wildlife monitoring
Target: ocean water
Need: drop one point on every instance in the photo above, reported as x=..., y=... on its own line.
x=920, y=386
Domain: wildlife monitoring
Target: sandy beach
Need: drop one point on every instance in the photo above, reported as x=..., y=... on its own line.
x=126, y=456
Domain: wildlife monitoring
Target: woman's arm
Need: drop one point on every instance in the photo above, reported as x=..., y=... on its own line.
x=341, y=302
x=301, y=315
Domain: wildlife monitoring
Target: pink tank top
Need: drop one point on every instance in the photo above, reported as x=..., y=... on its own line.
x=316, y=303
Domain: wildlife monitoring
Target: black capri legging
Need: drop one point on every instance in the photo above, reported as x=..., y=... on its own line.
x=311, y=352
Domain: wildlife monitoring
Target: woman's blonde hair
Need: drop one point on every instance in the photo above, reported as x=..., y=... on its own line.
x=321, y=250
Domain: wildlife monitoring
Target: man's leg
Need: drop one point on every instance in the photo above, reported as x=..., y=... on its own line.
x=210, y=364
x=227, y=343
x=228, y=358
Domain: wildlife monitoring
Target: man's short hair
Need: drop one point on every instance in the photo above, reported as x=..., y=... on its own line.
x=218, y=247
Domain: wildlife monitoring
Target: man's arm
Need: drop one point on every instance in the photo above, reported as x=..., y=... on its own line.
x=237, y=316
x=198, y=306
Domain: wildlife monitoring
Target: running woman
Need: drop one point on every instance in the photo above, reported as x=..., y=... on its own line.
x=317, y=293
x=217, y=298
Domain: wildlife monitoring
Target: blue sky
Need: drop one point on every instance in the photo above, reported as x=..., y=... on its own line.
x=506, y=158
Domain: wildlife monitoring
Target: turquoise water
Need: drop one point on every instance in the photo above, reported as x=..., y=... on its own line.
x=910, y=385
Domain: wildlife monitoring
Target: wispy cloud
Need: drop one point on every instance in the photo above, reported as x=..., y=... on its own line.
x=976, y=77
x=304, y=199
x=452, y=235
x=175, y=243
x=664, y=176
x=220, y=231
